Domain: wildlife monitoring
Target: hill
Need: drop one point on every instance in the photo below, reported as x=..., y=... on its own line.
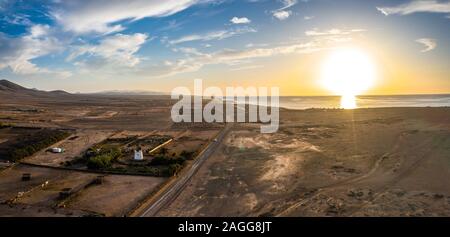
x=8, y=88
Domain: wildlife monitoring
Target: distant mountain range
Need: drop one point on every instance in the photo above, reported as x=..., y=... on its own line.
x=8, y=88
x=129, y=92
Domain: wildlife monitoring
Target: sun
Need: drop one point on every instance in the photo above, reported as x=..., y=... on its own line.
x=348, y=72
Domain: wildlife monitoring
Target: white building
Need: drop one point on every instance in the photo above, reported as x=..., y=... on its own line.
x=138, y=155
x=57, y=150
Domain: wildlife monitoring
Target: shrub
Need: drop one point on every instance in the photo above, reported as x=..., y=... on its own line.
x=28, y=145
x=163, y=160
x=163, y=151
x=100, y=162
x=188, y=155
x=118, y=169
x=174, y=169
x=102, y=157
x=5, y=125
x=149, y=171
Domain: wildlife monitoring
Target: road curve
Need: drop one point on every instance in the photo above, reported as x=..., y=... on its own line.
x=176, y=187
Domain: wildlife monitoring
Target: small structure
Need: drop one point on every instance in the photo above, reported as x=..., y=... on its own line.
x=65, y=193
x=99, y=180
x=26, y=177
x=138, y=154
x=57, y=150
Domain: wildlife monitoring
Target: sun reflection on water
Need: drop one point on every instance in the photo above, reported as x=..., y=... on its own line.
x=348, y=102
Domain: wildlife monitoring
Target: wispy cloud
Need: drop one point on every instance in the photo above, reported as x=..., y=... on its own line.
x=287, y=4
x=331, y=32
x=196, y=60
x=252, y=45
x=188, y=51
x=234, y=57
x=429, y=44
x=118, y=49
x=249, y=67
x=103, y=16
x=283, y=13
x=172, y=26
x=214, y=35
x=431, y=6
x=18, y=19
x=241, y=20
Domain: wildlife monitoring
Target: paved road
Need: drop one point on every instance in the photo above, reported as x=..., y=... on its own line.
x=176, y=187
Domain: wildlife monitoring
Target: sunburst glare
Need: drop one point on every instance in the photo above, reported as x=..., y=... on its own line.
x=348, y=72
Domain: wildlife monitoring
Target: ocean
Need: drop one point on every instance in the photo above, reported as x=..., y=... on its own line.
x=308, y=102
x=335, y=102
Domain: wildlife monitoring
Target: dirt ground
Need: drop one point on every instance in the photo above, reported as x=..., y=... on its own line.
x=365, y=162
x=116, y=196
x=22, y=210
x=73, y=146
x=40, y=196
x=368, y=162
x=11, y=180
x=136, y=113
x=191, y=141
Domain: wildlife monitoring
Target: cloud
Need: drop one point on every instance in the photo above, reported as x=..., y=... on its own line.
x=252, y=45
x=188, y=51
x=4, y=4
x=172, y=25
x=18, y=19
x=118, y=49
x=250, y=67
x=283, y=13
x=214, y=35
x=234, y=57
x=429, y=44
x=287, y=4
x=195, y=60
x=17, y=53
x=432, y=6
x=105, y=16
x=242, y=20
x=332, y=32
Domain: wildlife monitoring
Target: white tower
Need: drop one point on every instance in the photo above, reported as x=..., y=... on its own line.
x=138, y=155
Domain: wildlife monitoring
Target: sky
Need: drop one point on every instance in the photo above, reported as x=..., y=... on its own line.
x=156, y=45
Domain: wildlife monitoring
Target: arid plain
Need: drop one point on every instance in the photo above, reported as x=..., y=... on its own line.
x=363, y=162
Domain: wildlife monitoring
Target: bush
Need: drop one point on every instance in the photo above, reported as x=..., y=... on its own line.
x=188, y=155
x=28, y=145
x=174, y=169
x=103, y=157
x=99, y=150
x=118, y=169
x=5, y=125
x=163, y=151
x=100, y=162
x=149, y=171
x=163, y=160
